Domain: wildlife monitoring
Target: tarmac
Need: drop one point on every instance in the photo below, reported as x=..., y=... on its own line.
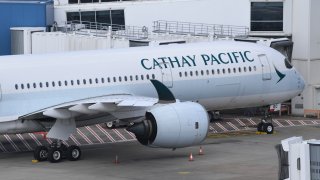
x=238, y=154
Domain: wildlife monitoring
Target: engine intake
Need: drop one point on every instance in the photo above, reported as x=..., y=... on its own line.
x=173, y=125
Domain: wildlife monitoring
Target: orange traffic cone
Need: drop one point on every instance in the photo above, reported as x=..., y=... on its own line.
x=190, y=157
x=116, y=160
x=201, y=151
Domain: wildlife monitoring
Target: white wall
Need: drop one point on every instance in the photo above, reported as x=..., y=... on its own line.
x=143, y=13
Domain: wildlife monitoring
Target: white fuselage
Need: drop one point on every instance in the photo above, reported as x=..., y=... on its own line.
x=218, y=75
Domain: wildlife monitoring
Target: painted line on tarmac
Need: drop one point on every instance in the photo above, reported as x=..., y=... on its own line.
x=223, y=128
x=75, y=140
x=16, y=148
x=94, y=134
x=119, y=134
x=35, y=139
x=26, y=144
x=233, y=126
x=84, y=136
x=278, y=123
x=105, y=133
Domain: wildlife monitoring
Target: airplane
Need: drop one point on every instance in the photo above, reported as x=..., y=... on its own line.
x=162, y=94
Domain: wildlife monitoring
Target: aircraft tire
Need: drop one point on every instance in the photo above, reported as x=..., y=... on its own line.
x=54, y=155
x=268, y=128
x=41, y=153
x=73, y=153
x=259, y=127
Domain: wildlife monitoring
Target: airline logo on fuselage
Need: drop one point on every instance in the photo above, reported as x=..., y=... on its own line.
x=193, y=60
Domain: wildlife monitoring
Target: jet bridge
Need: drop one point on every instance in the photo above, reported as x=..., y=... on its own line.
x=299, y=159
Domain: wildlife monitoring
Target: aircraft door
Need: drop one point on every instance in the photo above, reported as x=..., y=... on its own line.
x=166, y=74
x=266, y=70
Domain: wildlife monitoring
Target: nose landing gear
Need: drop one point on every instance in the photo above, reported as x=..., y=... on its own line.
x=266, y=125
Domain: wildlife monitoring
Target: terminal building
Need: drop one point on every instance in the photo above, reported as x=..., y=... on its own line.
x=100, y=24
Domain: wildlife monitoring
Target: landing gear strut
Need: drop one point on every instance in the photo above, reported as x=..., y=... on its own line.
x=56, y=151
x=266, y=124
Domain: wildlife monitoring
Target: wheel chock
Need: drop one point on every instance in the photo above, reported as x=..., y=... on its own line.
x=34, y=161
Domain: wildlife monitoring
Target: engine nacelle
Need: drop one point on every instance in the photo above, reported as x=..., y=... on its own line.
x=173, y=125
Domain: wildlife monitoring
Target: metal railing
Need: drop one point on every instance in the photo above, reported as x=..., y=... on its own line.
x=199, y=29
x=105, y=29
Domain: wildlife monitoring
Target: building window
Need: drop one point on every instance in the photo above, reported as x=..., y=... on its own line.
x=266, y=16
x=73, y=1
x=88, y=1
x=107, y=17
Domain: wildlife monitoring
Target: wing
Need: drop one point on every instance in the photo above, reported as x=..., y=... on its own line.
x=97, y=109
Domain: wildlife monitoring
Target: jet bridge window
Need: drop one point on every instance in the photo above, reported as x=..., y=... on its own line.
x=266, y=16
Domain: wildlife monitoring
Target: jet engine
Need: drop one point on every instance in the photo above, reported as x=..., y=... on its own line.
x=173, y=125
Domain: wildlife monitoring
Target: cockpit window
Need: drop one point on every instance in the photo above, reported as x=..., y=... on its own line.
x=287, y=63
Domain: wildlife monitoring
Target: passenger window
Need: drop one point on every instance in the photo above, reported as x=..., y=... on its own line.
x=102, y=80
x=16, y=86
x=90, y=81
x=40, y=85
x=223, y=71
x=114, y=79
x=71, y=82
x=212, y=71
x=218, y=71
x=229, y=70
x=201, y=72
x=148, y=76
x=66, y=83
x=137, y=77
x=234, y=70
x=125, y=78
x=78, y=82
x=22, y=86
x=180, y=74
x=250, y=69
x=109, y=80
x=28, y=86
x=131, y=78
x=254, y=68
x=47, y=84
x=244, y=69
x=120, y=79
x=185, y=74
x=59, y=83
x=239, y=69
x=97, y=81
x=153, y=76
x=191, y=73
x=84, y=82
x=197, y=73
x=34, y=85
x=142, y=77
x=208, y=72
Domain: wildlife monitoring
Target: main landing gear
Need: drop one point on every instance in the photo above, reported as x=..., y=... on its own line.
x=57, y=151
x=266, y=125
